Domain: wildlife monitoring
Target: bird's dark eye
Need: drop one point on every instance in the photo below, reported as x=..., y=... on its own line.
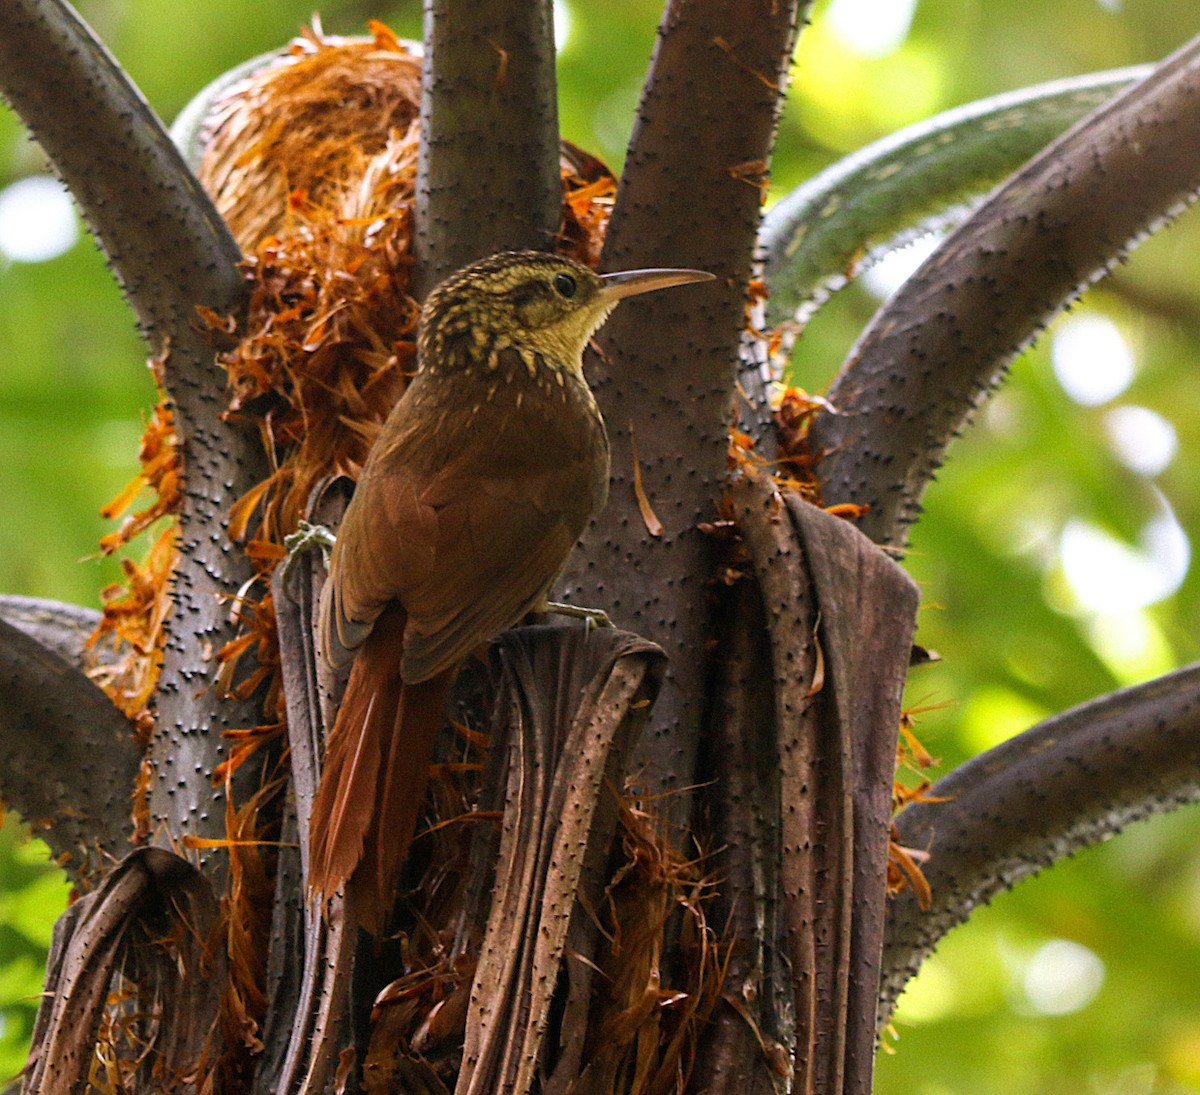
x=564, y=285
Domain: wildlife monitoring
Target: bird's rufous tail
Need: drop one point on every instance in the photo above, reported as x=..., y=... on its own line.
x=376, y=771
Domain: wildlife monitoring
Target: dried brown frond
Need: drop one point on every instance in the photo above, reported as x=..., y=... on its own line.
x=159, y=459
x=419, y=1019
x=794, y=463
x=141, y=942
x=589, y=189
x=327, y=344
x=133, y=613
x=793, y=416
x=342, y=102
x=242, y=934
x=258, y=644
x=904, y=864
x=903, y=871
x=131, y=623
x=119, y=1045
x=664, y=968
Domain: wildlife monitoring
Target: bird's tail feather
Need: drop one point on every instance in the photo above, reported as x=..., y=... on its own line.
x=377, y=761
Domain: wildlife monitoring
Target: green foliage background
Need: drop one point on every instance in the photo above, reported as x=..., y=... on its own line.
x=74, y=392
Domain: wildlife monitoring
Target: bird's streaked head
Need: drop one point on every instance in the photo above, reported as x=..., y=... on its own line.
x=545, y=307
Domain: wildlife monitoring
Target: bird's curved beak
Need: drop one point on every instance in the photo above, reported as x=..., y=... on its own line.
x=630, y=283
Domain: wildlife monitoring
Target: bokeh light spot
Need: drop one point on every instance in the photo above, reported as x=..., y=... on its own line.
x=562, y=24
x=1062, y=977
x=871, y=28
x=1141, y=439
x=37, y=220
x=1092, y=360
x=1131, y=644
x=848, y=100
x=1106, y=575
x=995, y=714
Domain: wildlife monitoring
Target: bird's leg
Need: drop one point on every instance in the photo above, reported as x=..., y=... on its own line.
x=591, y=617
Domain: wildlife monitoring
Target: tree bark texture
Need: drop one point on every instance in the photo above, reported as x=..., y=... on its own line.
x=487, y=174
x=170, y=251
x=939, y=346
x=1068, y=783
x=68, y=756
x=690, y=195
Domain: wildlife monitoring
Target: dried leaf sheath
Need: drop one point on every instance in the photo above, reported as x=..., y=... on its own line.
x=573, y=703
x=151, y=923
x=839, y=672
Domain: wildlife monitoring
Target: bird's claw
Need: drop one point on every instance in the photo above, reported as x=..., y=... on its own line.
x=591, y=617
x=307, y=537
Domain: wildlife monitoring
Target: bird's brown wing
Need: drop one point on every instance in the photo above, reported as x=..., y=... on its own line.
x=467, y=556
x=501, y=542
x=464, y=520
x=387, y=539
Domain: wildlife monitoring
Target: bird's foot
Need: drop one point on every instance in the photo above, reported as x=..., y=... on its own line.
x=591, y=617
x=308, y=538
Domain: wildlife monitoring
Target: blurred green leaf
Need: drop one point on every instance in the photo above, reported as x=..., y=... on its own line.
x=919, y=180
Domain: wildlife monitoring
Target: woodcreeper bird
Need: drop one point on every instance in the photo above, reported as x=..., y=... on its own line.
x=480, y=482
